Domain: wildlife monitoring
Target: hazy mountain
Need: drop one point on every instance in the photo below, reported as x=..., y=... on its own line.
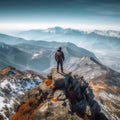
x=95, y=39
x=104, y=44
x=12, y=56
x=10, y=39
x=39, y=55
x=106, y=48
x=51, y=34
x=110, y=33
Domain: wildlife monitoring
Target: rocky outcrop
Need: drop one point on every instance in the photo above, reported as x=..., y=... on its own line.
x=13, y=85
x=105, y=83
x=60, y=96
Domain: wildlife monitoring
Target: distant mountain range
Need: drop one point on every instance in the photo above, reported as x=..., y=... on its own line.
x=10, y=39
x=104, y=44
x=39, y=55
x=94, y=39
x=67, y=31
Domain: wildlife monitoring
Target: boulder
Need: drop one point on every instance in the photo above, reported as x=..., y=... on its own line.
x=60, y=95
x=58, y=78
x=59, y=110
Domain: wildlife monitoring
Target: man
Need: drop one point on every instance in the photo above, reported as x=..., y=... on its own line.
x=59, y=57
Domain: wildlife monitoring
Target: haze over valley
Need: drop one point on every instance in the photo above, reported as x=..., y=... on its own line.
x=104, y=44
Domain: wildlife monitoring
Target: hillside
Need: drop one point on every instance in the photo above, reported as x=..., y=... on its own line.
x=101, y=85
x=11, y=39
x=38, y=55
x=104, y=44
x=67, y=99
x=13, y=85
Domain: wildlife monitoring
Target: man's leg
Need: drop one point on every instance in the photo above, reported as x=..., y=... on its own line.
x=58, y=66
x=61, y=64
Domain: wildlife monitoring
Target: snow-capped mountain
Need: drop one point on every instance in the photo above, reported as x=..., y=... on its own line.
x=104, y=44
x=106, y=47
x=13, y=85
x=51, y=34
x=48, y=33
x=110, y=33
x=98, y=39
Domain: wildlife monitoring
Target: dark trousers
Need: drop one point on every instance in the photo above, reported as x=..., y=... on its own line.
x=60, y=63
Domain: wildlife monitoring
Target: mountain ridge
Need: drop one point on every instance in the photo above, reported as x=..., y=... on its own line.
x=58, y=97
x=60, y=30
x=38, y=55
x=105, y=83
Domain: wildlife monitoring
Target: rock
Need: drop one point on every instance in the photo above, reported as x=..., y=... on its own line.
x=95, y=108
x=88, y=110
x=53, y=111
x=1, y=117
x=58, y=78
x=70, y=99
x=60, y=94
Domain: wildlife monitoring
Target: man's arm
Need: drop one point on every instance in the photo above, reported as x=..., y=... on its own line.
x=56, y=56
x=63, y=57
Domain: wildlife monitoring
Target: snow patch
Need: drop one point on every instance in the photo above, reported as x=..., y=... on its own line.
x=35, y=55
x=12, y=91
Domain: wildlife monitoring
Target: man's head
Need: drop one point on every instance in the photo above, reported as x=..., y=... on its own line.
x=60, y=48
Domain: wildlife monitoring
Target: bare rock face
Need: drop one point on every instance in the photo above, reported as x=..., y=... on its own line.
x=13, y=86
x=53, y=111
x=58, y=78
x=69, y=98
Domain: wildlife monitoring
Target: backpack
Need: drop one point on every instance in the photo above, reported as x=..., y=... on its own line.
x=58, y=56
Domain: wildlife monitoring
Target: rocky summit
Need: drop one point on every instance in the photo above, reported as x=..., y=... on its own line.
x=61, y=96
x=89, y=92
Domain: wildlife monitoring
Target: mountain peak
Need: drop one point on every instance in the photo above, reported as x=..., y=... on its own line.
x=90, y=60
x=55, y=30
x=64, y=93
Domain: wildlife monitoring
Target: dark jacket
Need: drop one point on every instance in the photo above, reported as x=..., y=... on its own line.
x=59, y=56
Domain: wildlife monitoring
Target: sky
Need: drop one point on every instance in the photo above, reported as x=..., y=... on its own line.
x=79, y=14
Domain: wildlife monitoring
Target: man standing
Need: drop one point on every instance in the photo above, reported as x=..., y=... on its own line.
x=59, y=57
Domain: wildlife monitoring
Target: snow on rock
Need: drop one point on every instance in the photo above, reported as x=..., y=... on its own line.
x=107, y=106
x=11, y=91
x=37, y=54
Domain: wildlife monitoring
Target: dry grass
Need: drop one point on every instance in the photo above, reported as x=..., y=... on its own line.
x=98, y=86
x=23, y=112
x=48, y=82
